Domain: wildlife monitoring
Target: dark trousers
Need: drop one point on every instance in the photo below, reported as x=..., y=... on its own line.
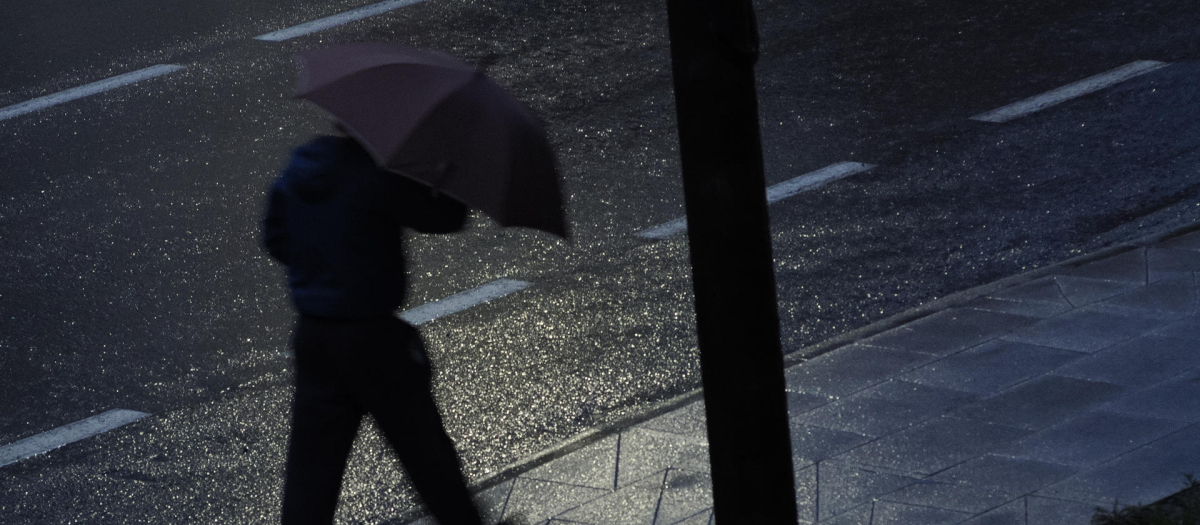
x=346, y=369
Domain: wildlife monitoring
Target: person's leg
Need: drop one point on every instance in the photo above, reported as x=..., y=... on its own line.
x=399, y=395
x=325, y=420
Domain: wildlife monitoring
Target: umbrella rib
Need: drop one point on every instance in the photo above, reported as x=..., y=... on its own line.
x=379, y=157
x=421, y=122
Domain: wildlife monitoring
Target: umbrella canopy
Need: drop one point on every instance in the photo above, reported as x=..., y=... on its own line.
x=431, y=117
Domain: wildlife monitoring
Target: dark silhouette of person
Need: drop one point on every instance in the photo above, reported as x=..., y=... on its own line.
x=335, y=220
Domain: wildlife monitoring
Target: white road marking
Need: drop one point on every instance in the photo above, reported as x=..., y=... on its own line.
x=1070, y=91
x=453, y=304
x=462, y=301
x=777, y=192
x=87, y=90
x=335, y=20
x=815, y=179
x=664, y=230
x=66, y=434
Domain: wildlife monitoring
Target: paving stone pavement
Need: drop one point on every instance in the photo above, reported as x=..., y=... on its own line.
x=1034, y=404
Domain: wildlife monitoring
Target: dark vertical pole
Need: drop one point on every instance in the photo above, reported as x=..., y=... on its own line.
x=714, y=46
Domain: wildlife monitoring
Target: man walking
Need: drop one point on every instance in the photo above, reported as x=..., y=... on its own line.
x=335, y=220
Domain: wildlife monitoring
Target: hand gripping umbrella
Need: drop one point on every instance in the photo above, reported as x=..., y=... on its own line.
x=431, y=117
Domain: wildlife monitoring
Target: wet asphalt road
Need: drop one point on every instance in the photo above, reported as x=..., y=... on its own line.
x=58, y=45
x=132, y=277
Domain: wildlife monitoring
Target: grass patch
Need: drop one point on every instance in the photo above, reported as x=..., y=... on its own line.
x=1181, y=508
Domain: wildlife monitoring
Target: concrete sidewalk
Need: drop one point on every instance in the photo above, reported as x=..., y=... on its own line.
x=1030, y=401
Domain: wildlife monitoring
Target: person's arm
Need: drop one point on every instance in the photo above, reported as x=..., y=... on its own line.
x=274, y=236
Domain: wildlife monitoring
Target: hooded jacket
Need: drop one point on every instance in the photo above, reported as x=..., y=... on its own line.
x=335, y=220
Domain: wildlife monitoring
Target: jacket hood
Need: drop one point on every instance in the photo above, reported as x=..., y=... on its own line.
x=312, y=173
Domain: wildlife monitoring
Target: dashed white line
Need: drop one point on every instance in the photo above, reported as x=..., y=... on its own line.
x=462, y=301
x=452, y=304
x=335, y=20
x=87, y=90
x=777, y=192
x=815, y=179
x=1070, y=91
x=664, y=230
x=66, y=434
